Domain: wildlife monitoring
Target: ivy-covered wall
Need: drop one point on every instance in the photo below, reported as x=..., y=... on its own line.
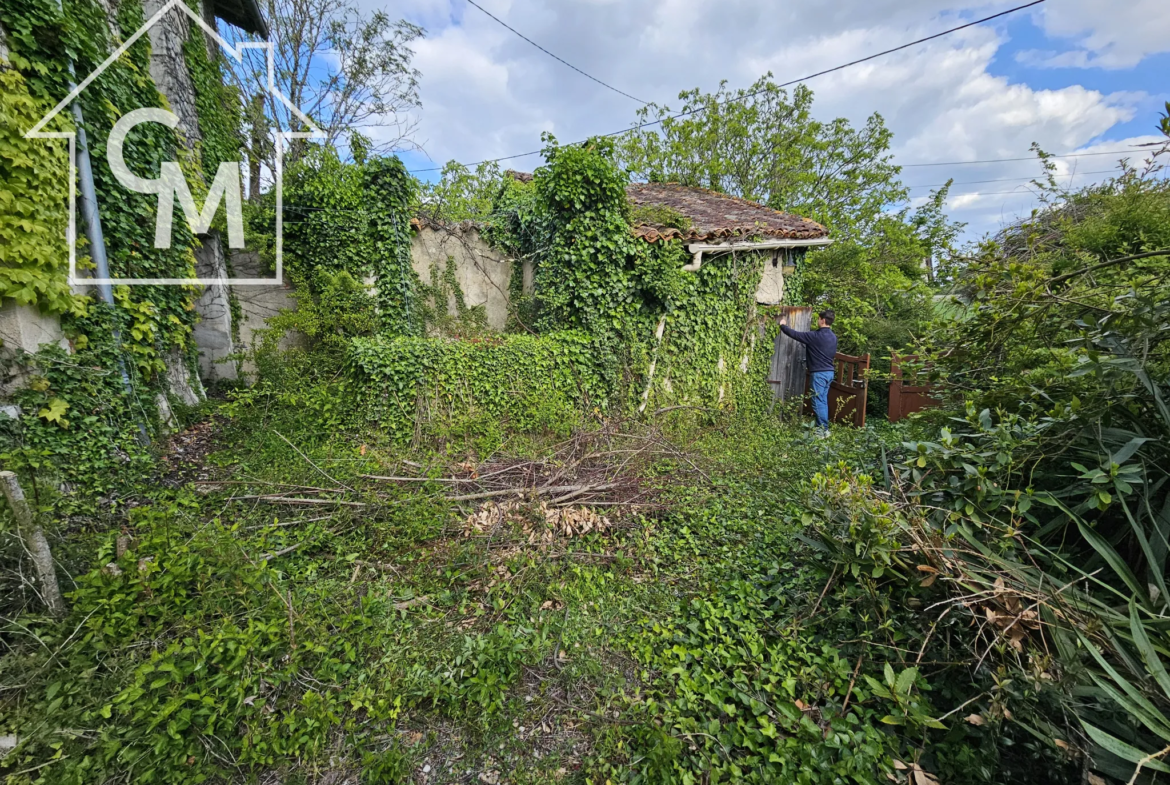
x=679, y=337
x=68, y=394
x=476, y=388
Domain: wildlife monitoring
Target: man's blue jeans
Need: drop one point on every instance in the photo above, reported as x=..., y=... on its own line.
x=820, y=390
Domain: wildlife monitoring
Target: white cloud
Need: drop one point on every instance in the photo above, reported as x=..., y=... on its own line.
x=1108, y=34
x=487, y=93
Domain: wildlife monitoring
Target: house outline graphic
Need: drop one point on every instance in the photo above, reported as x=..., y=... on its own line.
x=237, y=53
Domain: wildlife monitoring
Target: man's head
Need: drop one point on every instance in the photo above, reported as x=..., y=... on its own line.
x=826, y=319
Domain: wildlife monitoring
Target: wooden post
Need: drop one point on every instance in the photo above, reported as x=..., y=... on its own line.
x=35, y=542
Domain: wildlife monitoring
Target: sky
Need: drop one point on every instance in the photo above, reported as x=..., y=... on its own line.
x=1074, y=76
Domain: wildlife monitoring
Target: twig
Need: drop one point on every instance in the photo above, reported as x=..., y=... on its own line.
x=852, y=681
x=289, y=523
x=545, y=489
x=282, y=551
x=1144, y=761
x=315, y=466
x=963, y=705
x=413, y=479
x=296, y=500
x=1092, y=267
x=824, y=591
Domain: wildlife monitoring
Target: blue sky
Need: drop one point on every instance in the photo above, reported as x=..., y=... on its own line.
x=1071, y=75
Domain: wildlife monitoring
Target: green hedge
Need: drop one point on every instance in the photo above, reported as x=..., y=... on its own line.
x=519, y=382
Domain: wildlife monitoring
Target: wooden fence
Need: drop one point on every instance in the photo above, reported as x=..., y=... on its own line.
x=905, y=399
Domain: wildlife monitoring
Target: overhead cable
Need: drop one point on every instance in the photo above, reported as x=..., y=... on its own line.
x=701, y=109
x=505, y=25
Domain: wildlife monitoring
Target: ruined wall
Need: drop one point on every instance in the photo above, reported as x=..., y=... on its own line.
x=483, y=272
x=258, y=304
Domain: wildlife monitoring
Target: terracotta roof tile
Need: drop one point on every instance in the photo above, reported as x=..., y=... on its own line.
x=716, y=216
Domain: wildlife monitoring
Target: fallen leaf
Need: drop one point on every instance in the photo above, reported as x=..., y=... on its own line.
x=924, y=778
x=899, y=765
x=927, y=568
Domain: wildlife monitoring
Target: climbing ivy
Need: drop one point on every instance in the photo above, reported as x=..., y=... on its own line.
x=79, y=420
x=217, y=103
x=434, y=302
x=593, y=274
x=479, y=386
x=391, y=192
x=34, y=183
x=680, y=337
x=77, y=440
x=34, y=259
x=41, y=40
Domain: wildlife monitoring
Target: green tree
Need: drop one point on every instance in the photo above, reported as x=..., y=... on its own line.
x=763, y=145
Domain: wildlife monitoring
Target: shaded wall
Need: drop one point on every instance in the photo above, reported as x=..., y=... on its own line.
x=483, y=273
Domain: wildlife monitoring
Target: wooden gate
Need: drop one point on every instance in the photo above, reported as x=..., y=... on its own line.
x=906, y=398
x=848, y=391
x=789, y=374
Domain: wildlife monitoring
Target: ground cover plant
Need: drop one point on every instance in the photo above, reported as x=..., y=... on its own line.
x=287, y=615
x=591, y=549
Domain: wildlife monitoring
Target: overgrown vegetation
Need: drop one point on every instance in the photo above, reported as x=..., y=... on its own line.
x=588, y=550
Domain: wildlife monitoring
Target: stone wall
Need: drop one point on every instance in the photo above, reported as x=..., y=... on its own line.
x=483, y=272
x=258, y=304
x=168, y=69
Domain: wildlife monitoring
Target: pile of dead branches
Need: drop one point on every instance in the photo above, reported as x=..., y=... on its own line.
x=595, y=468
x=599, y=467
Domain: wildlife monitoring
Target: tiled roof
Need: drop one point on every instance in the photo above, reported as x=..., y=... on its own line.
x=715, y=216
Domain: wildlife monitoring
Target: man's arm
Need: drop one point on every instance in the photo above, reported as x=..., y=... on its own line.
x=795, y=335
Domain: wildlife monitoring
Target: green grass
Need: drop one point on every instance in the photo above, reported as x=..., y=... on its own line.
x=675, y=645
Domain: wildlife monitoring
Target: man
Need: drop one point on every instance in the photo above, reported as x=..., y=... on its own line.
x=821, y=346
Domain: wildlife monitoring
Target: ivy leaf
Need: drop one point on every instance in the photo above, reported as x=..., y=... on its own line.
x=54, y=412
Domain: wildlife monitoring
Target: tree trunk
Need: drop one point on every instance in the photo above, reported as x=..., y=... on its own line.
x=258, y=146
x=35, y=542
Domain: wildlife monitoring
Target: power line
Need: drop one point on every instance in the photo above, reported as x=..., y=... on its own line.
x=701, y=109
x=1025, y=158
x=505, y=25
x=1008, y=179
x=1021, y=190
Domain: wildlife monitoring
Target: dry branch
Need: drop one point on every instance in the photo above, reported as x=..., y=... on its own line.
x=296, y=500
x=543, y=490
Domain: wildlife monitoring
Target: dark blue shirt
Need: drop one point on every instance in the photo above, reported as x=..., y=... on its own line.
x=821, y=346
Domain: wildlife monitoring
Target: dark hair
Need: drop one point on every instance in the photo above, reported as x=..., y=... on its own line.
x=828, y=317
